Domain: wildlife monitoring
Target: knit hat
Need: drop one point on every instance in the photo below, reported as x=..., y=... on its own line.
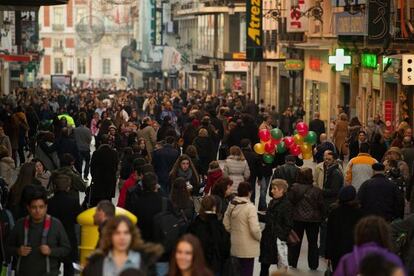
x=378, y=167
x=347, y=193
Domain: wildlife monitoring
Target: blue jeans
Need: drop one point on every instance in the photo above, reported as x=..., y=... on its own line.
x=162, y=268
x=264, y=185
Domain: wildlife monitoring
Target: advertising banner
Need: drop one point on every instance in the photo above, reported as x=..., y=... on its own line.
x=254, y=26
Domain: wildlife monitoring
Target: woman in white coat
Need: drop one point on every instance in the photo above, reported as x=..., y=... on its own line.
x=236, y=167
x=242, y=222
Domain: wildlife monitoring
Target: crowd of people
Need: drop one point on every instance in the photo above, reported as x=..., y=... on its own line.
x=182, y=162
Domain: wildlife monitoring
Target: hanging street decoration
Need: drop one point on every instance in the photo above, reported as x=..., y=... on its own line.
x=339, y=60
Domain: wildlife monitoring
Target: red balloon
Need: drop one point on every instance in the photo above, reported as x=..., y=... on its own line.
x=269, y=147
x=302, y=128
x=288, y=141
x=295, y=150
x=276, y=142
x=264, y=135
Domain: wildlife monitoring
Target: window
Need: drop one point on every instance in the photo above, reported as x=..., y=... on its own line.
x=58, y=66
x=81, y=66
x=58, y=16
x=106, y=66
x=57, y=43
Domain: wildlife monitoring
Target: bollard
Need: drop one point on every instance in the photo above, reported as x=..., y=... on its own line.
x=89, y=231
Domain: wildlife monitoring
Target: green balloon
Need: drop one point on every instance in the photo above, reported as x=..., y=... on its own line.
x=311, y=138
x=276, y=133
x=268, y=158
x=281, y=147
x=295, y=132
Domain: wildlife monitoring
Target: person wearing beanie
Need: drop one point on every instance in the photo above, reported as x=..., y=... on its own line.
x=380, y=196
x=342, y=219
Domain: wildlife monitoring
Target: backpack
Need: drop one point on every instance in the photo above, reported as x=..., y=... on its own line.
x=169, y=226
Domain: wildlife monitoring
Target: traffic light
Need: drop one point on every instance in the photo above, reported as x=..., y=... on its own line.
x=407, y=75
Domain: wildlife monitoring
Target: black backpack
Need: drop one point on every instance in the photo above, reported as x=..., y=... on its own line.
x=169, y=226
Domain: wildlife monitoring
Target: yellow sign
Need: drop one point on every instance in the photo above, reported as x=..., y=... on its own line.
x=240, y=55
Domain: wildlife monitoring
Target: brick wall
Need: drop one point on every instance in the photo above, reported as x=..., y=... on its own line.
x=46, y=14
x=69, y=15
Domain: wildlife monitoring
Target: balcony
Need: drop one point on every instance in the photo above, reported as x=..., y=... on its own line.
x=58, y=27
x=57, y=49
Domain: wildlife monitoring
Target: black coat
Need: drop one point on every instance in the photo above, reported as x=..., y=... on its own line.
x=166, y=130
x=163, y=160
x=318, y=126
x=254, y=162
x=147, y=205
x=95, y=264
x=205, y=149
x=380, y=196
x=66, y=208
x=214, y=239
x=377, y=150
x=340, y=231
x=104, y=165
x=332, y=183
x=308, y=203
x=279, y=222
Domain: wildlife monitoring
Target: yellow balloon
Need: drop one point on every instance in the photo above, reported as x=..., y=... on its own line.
x=306, y=148
x=259, y=148
x=298, y=139
x=307, y=155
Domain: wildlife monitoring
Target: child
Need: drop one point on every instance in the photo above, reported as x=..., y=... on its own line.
x=213, y=174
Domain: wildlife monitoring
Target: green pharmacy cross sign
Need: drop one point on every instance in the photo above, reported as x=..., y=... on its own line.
x=339, y=60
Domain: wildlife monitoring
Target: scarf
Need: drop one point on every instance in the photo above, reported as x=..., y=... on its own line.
x=186, y=175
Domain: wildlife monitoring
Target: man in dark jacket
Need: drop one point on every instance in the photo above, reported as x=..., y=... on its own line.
x=287, y=171
x=66, y=208
x=355, y=145
x=148, y=204
x=39, y=241
x=333, y=181
x=380, y=196
x=317, y=125
x=104, y=165
x=405, y=227
x=67, y=144
x=163, y=160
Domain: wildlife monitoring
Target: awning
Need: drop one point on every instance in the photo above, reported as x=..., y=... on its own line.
x=312, y=46
x=35, y=3
x=16, y=58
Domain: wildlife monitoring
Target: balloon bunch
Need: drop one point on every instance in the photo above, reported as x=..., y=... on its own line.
x=273, y=142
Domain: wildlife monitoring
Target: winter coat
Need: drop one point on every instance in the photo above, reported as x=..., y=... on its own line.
x=318, y=126
x=380, y=196
x=398, y=228
x=241, y=221
x=288, y=172
x=333, y=182
x=150, y=136
x=320, y=150
x=340, y=135
x=237, y=170
x=5, y=141
x=340, y=230
x=163, y=161
x=77, y=183
x=104, y=166
x=46, y=152
x=66, y=208
x=205, y=149
x=95, y=264
x=279, y=222
x=307, y=201
x=254, y=162
x=359, y=169
x=215, y=240
x=147, y=205
x=377, y=150
x=212, y=177
x=166, y=130
x=7, y=167
x=349, y=264
x=44, y=178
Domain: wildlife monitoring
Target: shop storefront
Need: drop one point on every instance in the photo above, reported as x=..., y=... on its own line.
x=235, y=74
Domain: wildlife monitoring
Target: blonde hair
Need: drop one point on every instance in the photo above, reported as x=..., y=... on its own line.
x=280, y=184
x=203, y=132
x=213, y=165
x=236, y=151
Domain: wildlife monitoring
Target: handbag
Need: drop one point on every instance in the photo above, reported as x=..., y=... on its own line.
x=328, y=271
x=293, y=238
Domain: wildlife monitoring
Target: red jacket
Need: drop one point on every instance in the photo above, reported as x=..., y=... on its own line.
x=130, y=182
x=212, y=177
